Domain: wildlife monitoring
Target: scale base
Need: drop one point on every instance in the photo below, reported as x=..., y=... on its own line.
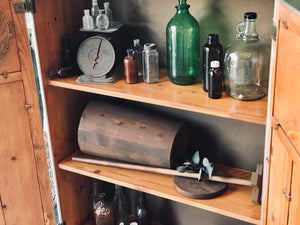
x=110, y=78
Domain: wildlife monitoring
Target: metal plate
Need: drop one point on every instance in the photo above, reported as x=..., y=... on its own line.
x=5, y=36
x=96, y=56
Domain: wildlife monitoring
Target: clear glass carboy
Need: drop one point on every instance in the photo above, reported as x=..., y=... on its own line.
x=246, y=63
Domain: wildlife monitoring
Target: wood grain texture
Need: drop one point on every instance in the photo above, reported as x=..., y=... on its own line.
x=190, y=98
x=279, y=180
x=53, y=21
x=131, y=134
x=295, y=196
x=34, y=118
x=19, y=179
x=286, y=100
x=235, y=202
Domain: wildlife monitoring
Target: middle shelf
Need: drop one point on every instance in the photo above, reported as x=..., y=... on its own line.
x=235, y=202
x=165, y=93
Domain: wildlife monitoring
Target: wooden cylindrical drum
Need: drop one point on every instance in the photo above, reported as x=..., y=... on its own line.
x=130, y=134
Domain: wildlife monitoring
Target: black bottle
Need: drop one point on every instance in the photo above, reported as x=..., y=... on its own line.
x=212, y=50
x=215, y=80
x=143, y=215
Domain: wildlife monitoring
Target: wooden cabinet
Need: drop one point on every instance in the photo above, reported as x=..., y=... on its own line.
x=24, y=185
x=66, y=100
x=283, y=153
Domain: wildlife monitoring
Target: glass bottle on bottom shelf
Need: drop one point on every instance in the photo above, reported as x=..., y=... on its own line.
x=143, y=215
x=102, y=209
x=246, y=63
x=122, y=207
x=183, y=46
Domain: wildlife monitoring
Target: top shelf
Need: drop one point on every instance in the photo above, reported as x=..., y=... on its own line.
x=165, y=93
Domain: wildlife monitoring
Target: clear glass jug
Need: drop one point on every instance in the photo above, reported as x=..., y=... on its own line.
x=246, y=63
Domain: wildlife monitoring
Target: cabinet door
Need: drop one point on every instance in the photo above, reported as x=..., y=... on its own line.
x=287, y=81
x=25, y=196
x=295, y=196
x=279, y=183
x=19, y=190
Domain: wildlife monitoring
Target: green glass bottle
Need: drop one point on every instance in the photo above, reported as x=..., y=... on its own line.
x=183, y=47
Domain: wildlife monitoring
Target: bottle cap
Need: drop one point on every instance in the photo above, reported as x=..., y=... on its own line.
x=106, y=4
x=136, y=41
x=215, y=64
x=133, y=223
x=250, y=15
x=149, y=46
x=213, y=39
x=129, y=50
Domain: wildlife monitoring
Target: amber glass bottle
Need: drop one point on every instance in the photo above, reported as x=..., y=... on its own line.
x=130, y=68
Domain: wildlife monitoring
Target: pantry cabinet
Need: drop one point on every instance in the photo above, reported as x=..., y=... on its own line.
x=25, y=196
x=283, y=151
x=65, y=100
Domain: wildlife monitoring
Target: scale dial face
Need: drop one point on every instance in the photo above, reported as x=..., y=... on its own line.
x=96, y=56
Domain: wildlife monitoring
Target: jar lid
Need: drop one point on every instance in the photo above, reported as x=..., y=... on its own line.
x=149, y=46
x=214, y=64
x=250, y=15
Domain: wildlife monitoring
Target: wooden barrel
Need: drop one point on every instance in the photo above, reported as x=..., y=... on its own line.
x=130, y=134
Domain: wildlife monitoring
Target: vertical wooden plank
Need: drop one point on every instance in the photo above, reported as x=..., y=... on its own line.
x=295, y=196
x=279, y=182
x=19, y=182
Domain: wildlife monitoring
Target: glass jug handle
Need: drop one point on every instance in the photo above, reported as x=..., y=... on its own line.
x=240, y=28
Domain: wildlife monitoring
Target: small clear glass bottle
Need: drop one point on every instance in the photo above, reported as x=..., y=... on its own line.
x=215, y=80
x=137, y=52
x=94, y=11
x=150, y=63
x=102, y=21
x=108, y=12
x=130, y=68
x=246, y=63
x=87, y=20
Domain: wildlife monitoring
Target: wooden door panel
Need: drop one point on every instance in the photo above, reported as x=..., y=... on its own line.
x=286, y=100
x=295, y=196
x=11, y=62
x=19, y=188
x=279, y=180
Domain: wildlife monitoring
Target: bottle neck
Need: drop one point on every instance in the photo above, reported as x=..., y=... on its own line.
x=142, y=200
x=250, y=30
x=94, y=3
x=182, y=7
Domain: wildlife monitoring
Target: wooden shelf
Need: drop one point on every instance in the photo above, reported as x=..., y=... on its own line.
x=190, y=98
x=235, y=202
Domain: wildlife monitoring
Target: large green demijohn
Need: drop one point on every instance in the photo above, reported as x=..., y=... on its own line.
x=183, y=46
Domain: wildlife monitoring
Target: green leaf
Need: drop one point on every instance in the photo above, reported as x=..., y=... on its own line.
x=196, y=158
x=181, y=169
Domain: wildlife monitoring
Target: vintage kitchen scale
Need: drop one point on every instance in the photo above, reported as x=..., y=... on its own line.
x=99, y=55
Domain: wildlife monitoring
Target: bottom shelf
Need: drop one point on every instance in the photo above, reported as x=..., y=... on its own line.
x=235, y=202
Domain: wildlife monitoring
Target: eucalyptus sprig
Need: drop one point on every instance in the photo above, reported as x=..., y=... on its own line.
x=193, y=166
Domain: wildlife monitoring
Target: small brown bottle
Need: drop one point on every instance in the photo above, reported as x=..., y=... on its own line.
x=130, y=68
x=215, y=80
